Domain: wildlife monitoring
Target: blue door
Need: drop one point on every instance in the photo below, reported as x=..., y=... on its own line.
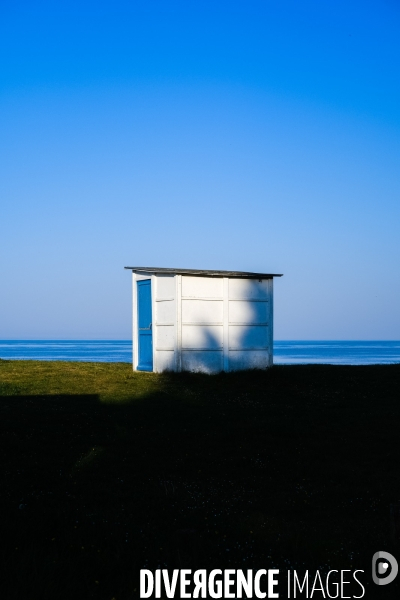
x=145, y=362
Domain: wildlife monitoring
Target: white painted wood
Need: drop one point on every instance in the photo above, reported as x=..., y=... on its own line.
x=202, y=311
x=178, y=335
x=226, y=325
x=154, y=282
x=165, y=287
x=248, y=289
x=165, y=337
x=164, y=322
x=248, y=312
x=165, y=360
x=202, y=299
x=201, y=361
x=271, y=321
x=207, y=324
x=134, y=323
x=165, y=312
x=202, y=287
x=254, y=359
x=248, y=337
x=201, y=337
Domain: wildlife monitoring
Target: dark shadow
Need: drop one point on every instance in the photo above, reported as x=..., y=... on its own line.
x=292, y=467
x=249, y=345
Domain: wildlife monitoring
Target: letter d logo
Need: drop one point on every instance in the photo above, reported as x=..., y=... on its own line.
x=384, y=564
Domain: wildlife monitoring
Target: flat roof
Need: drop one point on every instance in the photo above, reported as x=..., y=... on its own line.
x=207, y=273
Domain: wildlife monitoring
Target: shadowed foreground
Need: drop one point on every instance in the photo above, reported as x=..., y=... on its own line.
x=105, y=471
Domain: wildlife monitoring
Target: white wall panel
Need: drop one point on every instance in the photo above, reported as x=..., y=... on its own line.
x=166, y=312
x=242, y=289
x=202, y=287
x=204, y=362
x=165, y=287
x=165, y=338
x=166, y=361
x=247, y=337
x=242, y=311
x=202, y=311
x=202, y=336
x=252, y=359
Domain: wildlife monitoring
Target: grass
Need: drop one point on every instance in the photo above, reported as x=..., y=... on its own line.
x=105, y=471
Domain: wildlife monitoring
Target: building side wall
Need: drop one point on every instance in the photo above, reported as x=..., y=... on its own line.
x=249, y=321
x=165, y=323
x=202, y=322
x=225, y=324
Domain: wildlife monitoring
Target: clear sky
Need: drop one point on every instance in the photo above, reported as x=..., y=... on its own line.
x=247, y=135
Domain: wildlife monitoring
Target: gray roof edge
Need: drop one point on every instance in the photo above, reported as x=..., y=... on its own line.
x=209, y=273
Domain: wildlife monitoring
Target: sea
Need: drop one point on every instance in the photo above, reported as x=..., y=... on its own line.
x=285, y=352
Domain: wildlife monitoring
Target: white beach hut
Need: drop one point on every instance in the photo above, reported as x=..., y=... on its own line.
x=207, y=321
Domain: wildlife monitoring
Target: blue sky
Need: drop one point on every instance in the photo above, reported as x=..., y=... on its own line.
x=260, y=136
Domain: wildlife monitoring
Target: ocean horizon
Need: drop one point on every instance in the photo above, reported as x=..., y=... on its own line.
x=285, y=352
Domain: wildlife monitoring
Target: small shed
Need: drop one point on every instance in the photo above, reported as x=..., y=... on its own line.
x=205, y=321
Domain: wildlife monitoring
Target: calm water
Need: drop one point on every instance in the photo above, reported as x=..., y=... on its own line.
x=82, y=350
x=337, y=353
x=288, y=352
